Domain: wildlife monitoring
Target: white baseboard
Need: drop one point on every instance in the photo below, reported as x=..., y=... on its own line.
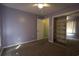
x=50, y=41
x=18, y=43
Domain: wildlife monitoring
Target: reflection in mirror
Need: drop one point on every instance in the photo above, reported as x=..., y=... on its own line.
x=72, y=33
x=71, y=28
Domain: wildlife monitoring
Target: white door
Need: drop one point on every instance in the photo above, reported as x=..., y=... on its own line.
x=40, y=29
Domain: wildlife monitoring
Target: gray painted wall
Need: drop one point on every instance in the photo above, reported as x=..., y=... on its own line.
x=0, y=24
x=18, y=27
x=50, y=33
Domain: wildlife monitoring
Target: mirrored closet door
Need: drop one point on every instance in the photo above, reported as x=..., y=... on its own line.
x=66, y=29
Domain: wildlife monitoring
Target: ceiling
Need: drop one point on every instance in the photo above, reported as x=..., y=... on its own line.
x=28, y=7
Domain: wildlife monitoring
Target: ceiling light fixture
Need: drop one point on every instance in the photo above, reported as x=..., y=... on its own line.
x=41, y=5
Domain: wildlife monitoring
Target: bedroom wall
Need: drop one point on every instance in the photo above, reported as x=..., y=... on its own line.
x=0, y=25
x=18, y=27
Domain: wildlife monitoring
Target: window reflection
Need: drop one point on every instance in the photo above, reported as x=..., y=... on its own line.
x=72, y=27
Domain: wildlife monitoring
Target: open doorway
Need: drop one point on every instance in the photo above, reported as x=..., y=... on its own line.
x=42, y=28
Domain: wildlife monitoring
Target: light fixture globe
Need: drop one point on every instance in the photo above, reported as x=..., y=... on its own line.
x=41, y=5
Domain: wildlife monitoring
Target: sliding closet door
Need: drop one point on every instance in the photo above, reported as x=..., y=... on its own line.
x=72, y=34
x=60, y=29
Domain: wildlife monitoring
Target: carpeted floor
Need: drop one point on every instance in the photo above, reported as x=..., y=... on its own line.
x=41, y=48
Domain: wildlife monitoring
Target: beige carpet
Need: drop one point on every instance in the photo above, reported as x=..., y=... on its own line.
x=41, y=48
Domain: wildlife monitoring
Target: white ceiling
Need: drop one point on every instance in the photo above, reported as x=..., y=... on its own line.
x=28, y=7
